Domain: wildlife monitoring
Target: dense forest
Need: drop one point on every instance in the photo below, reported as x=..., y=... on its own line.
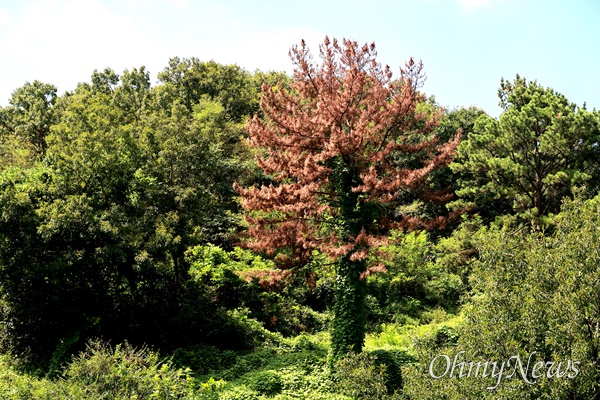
x=334, y=234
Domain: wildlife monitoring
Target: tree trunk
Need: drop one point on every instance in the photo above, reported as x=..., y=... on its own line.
x=349, y=316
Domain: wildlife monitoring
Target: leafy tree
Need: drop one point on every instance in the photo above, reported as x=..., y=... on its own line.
x=190, y=80
x=414, y=280
x=105, y=81
x=464, y=120
x=30, y=114
x=191, y=162
x=133, y=96
x=126, y=372
x=540, y=147
x=359, y=376
x=238, y=91
x=168, y=174
x=333, y=144
x=93, y=241
x=533, y=296
x=25, y=123
x=55, y=280
x=67, y=255
x=13, y=152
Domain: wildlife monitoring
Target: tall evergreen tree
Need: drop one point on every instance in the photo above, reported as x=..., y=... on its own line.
x=540, y=147
x=334, y=144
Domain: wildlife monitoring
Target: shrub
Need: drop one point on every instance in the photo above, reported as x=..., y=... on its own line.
x=203, y=359
x=390, y=335
x=359, y=376
x=15, y=385
x=266, y=382
x=211, y=389
x=533, y=296
x=124, y=372
x=393, y=374
x=239, y=393
x=415, y=280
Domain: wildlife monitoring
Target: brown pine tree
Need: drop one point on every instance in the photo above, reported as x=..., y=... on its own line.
x=336, y=145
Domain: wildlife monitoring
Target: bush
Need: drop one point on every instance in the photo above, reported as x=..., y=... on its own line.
x=279, y=309
x=203, y=359
x=390, y=335
x=393, y=374
x=266, y=382
x=415, y=281
x=17, y=386
x=124, y=372
x=239, y=393
x=211, y=389
x=360, y=376
x=533, y=296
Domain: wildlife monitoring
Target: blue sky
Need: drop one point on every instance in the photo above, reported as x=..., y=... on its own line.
x=466, y=45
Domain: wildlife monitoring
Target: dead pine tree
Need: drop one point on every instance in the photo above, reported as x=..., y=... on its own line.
x=335, y=143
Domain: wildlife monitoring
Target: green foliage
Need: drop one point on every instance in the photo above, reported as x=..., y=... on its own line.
x=93, y=242
x=124, y=372
x=443, y=180
x=265, y=382
x=231, y=86
x=360, y=376
x=211, y=263
x=62, y=354
x=532, y=295
x=15, y=385
x=457, y=252
x=103, y=372
x=349, y=323
x=13, y=152
x=30, y=114
x=393, y=373
x=420, y=276
x=117, y=213
x=532, y=156
x=405, y=339
x=203, y=358
x=391, y=336
x=240, y=280
x=459, y=120
x=292, y=367
x=34, y=270
x=212, y=385
x=239, y=393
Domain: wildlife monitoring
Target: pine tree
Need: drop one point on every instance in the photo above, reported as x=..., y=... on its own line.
x=533, y=155
x=335, y=144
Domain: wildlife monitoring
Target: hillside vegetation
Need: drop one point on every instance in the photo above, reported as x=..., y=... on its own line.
x=334, y=234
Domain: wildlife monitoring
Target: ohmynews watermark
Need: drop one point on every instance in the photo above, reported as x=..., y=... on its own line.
x=511, y=368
